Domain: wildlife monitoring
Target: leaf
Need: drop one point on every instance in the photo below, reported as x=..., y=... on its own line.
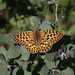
x=15, y=71
x=42, y=0
x=12, y=21
x=46, y=25
x=50, y=64
x=63, y=2
x=44, y=70
x=19, y=17
x=3, y=51
x=52, y=73
x=72, y=28
x=3, y=66
x=70, y=46
x=27, y=73
x=50, y=56
x=43, y=56
x=13, y=52
x=57, y=63
x=20, y=24
x=8, y=38
x=70, y=50
x=37, y=2
x=23, y=64
x=57, y=56
x=2, y=5
x=35, y=21
x=68, y=71
x=25, y=54
x=50, y=2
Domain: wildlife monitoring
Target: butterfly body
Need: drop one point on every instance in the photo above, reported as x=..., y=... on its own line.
x=38, y=41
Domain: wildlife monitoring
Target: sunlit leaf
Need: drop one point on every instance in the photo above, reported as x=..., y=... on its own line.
x=8, y=38
x=44, y=70
x=15, y=71
x=25, y=54
x=3, y=66
x=13, y=52
x=27, y=73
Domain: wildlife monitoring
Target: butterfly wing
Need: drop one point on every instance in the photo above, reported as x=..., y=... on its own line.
x=27, y=39
x=48, y=38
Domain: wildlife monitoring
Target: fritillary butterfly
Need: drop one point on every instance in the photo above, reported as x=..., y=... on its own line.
x=38, y=41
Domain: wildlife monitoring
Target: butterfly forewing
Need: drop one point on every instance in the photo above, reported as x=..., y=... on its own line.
x=27, y=39
x=48, y=38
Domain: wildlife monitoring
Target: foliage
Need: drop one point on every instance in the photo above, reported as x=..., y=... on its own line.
x=20, y=15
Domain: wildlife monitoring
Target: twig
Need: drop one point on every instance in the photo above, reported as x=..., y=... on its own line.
x=13, y=66
x=54, y=71
x=36, y=8
x=36, y=12
x=5, y=11
x=68, y=32
x=57, y=18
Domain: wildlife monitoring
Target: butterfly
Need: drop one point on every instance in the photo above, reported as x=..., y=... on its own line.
x=38, y=40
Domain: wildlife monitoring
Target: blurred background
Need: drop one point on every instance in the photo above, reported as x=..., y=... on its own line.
x=16, y=15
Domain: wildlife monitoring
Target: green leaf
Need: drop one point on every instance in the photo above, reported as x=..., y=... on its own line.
x=19, y=17
x=63, y=2
x=35, y=21
x=15, y=71
x=13, y=52
x=2, y=5
x=57, y=62
x=71, y=50
x=12, y=21
x=3, y=66
x=8, y=38
x=72, y=28
x=52, y=73
x=70, y=45
x=23, y=64
x=2, y=60
x=27, y=73
x=50, y=64
x=44, y=70
x=50, y=56
x=57, y=55
x=68, y=71
x=43, y=56
x=25, y=54
x=45, y=25
x=37, y=2
x=20, y=24
x=42, y=0
x=3, y=51
x=50, y=2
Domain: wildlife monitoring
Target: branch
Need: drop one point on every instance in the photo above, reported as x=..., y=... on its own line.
x=57, y=18
x=36, y=8
x=9, y=8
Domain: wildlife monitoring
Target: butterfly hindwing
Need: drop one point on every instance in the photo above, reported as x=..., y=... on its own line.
x=27, y=39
